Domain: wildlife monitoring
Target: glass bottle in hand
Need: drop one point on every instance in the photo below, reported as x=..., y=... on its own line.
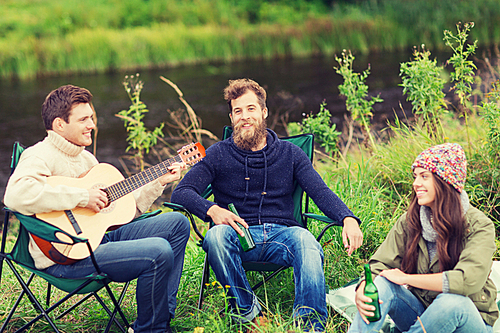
x=247, y=242
x=372, y=292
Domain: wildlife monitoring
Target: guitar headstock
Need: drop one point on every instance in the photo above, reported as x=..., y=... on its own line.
x=192, y=153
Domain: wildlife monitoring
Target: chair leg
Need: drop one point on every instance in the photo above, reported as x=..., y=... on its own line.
x=118, y=309
x=4, y=242
x=204, y=281
x=74, y=306
x=13, y=310
x=108, y=311
x=99, y=299
x=1, y=268
x=268, y=277
x=43, y=313
x=49, y=291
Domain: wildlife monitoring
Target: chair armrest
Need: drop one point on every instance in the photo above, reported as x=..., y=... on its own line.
x=48, y=232
x=146, y=215
x=45, y=230
x=180, y=208
x=322, y=218
x=325, y=219
x=175, y=207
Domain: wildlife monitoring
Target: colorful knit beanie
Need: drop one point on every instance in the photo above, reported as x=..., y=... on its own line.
x=447, y=161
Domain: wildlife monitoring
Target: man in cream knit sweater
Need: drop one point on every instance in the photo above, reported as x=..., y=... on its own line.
x=150, y=250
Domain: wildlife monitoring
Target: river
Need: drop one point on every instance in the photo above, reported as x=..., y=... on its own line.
x=294, y=85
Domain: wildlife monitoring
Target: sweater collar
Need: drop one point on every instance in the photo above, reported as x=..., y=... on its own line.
x=428, y=232
x=63, y=145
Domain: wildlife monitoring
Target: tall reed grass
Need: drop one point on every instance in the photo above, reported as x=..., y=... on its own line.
x=43, y=38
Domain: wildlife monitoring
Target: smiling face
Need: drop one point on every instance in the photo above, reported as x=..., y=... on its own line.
x=78, y=129
x=248, y=120
x=424, y=186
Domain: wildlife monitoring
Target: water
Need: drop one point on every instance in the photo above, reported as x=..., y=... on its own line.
x=294, y=85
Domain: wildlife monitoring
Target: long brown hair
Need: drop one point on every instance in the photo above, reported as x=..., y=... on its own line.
x=448, y=221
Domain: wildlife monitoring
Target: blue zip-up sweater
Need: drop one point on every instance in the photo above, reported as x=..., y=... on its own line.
x=259, y=183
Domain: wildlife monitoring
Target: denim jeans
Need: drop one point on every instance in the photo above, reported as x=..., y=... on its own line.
x=278, y=244
x=149, y=250
x=447, y=313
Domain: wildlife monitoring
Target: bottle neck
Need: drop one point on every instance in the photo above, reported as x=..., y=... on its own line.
x=368, y=274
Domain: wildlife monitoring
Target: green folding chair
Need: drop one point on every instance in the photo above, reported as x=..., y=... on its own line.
x=301, y=214
x=19, y=259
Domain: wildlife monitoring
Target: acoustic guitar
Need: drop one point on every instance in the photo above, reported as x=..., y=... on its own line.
x=121, y=208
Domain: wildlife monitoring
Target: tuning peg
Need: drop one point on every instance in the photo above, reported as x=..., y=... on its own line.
x=185, y=149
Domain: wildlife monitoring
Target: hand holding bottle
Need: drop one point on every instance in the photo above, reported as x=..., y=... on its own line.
x=366, y=307
x=247, y=242
x=371, y=292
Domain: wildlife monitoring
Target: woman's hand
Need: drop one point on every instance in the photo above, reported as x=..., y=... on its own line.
x=365, y=310
x=432, y=281
x=395, y=275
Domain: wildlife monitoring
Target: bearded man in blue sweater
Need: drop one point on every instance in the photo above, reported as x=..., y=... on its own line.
x=255, y=171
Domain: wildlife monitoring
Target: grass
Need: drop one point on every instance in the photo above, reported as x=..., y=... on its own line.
x=58, y=37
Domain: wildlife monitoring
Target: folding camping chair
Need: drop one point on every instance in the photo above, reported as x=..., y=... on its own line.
x=19, y=259
x=306, y=143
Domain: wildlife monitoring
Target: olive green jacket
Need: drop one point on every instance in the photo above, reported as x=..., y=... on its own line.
x=470, y=277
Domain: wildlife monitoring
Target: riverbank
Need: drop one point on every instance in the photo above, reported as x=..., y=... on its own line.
x=60, y=37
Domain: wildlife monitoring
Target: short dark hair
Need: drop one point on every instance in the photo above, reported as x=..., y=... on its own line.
x=59, y=102
x=237, y=88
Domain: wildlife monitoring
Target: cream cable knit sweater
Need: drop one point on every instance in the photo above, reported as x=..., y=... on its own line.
x=28, y=192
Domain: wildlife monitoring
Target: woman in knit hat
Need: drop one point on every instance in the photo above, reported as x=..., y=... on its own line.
x=433, y=268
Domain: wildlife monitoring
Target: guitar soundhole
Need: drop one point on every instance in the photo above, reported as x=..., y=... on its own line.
x=108, y=208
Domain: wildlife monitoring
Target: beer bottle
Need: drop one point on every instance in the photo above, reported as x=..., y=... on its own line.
x=247, y=242
x=372, y=292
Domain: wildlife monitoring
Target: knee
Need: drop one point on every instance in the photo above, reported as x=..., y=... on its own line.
x=218, y=237
x=306, y=246
x=453, y=304
x=181, y=222
x=160, y=251
x=183, y=225
x=386, y=288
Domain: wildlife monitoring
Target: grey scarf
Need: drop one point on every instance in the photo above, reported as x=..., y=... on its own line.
x=428, y=232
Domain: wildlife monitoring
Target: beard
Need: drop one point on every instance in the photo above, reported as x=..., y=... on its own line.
x=248, y=140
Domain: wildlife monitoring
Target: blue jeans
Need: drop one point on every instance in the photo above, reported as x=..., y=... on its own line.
x=278, y=244
x=149, y=250
x=447, y=313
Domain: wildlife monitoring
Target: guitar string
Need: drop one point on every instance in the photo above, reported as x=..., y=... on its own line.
x=130, y=184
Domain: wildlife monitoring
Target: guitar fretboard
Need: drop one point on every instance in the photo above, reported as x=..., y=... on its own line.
x=132, y=183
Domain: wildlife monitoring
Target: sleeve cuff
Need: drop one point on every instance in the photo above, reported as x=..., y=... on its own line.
x=446, y=283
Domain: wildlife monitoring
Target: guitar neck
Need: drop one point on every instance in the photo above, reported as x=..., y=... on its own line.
x=132, y=183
